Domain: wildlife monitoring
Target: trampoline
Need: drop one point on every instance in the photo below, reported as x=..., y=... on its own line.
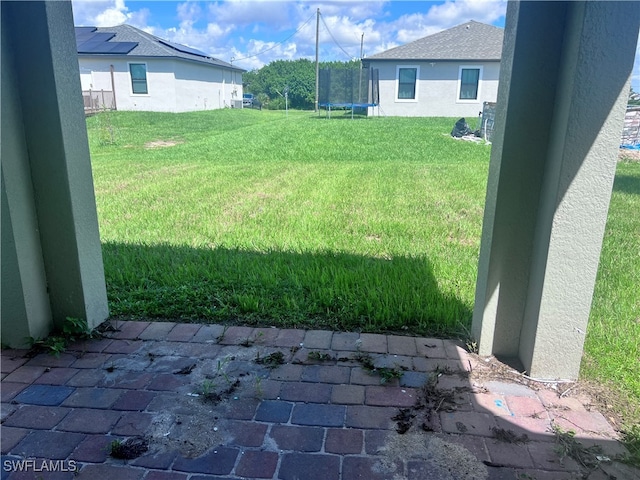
x=348, y=89
x=344, y=106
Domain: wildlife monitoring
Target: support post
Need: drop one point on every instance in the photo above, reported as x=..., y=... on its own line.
x=51, y=239
x=564, y=83
x=317, y=58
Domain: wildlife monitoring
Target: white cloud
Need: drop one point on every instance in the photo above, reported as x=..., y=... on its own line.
x=188, y=13
x=449, y=14
x=259, y=29
x=107, y=13
x=453, y=13
x=276, y=15
x=354, y=9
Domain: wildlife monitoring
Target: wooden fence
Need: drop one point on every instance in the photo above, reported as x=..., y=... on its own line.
x=98, y=101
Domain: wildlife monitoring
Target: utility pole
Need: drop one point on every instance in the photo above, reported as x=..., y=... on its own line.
x=317, y=62
x=360, y=76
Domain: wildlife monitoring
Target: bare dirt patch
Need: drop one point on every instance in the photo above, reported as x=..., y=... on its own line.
x=162, y=144
x=444, y=460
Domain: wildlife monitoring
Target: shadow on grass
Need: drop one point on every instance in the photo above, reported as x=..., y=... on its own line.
x=627, y=184
x=305, y=290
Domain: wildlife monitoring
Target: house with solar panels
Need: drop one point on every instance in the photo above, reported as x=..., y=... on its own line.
x=448, y=74
x=125, y=68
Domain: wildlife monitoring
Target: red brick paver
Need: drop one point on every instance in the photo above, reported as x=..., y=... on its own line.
x=320, y=417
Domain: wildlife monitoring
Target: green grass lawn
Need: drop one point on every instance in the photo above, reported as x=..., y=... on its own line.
x=370, y=224
x=612, y=348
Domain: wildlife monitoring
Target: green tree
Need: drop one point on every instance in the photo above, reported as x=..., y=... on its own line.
x=634, y=98
x=268, y=83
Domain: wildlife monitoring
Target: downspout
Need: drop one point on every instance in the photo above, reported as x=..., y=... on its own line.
x=113, y=88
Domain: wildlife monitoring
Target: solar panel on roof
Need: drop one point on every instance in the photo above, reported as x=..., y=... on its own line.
x=102, y=36
x=83, y=34
x=107, y=47
x=121, y=47
x=89, y=40
x=84, y=30
x=184, y=49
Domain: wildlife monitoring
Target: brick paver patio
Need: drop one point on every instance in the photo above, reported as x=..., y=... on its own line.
x=229, y=403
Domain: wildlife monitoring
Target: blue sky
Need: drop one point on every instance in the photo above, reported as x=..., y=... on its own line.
x=255, y=32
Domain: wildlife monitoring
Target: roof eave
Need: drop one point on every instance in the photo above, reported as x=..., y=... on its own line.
x=170, y=57
x=371, y=59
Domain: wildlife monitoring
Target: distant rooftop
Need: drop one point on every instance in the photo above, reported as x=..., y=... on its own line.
x=469, y=41
x=133, y=42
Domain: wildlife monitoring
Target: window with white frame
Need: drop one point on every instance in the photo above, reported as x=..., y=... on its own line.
x=469, y=83
x=138, y=73
x=407, y=87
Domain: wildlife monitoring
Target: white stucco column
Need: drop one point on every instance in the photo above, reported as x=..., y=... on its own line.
x=51, y=256
x=564, y=85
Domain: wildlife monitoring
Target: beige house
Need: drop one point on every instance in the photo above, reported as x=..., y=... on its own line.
x=448, y=74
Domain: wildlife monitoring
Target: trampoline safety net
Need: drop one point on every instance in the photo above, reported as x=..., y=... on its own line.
x=348, y=87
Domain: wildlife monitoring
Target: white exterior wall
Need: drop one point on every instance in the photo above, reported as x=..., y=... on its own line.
x=172, y=85
x=437, y=89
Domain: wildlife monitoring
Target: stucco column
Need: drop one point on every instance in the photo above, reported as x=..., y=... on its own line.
x=564, y=84
x=51, y=256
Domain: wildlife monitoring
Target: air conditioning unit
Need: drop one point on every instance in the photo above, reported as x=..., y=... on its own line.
x=236, y=103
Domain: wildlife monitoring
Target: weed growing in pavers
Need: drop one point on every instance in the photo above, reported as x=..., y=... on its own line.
x=273, y=360
x=131, y=448
x=469, y=341
x=72, y=329
x=386, y=374
x=508, y=436
x=52, y=344
x=567, y=446
x=208, y=392
x=224, y=331
x=320, y=357
x=220, y=369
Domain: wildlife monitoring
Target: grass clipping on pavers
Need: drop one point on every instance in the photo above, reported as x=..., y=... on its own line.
x=430, y=401
x=567, y=446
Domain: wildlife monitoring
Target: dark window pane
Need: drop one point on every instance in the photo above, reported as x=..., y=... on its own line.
x=407, y=83
x=469, y=79
x=138, y=77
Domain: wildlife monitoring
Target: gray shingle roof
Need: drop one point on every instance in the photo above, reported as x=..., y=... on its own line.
x=469, y=41
x=151, y=46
